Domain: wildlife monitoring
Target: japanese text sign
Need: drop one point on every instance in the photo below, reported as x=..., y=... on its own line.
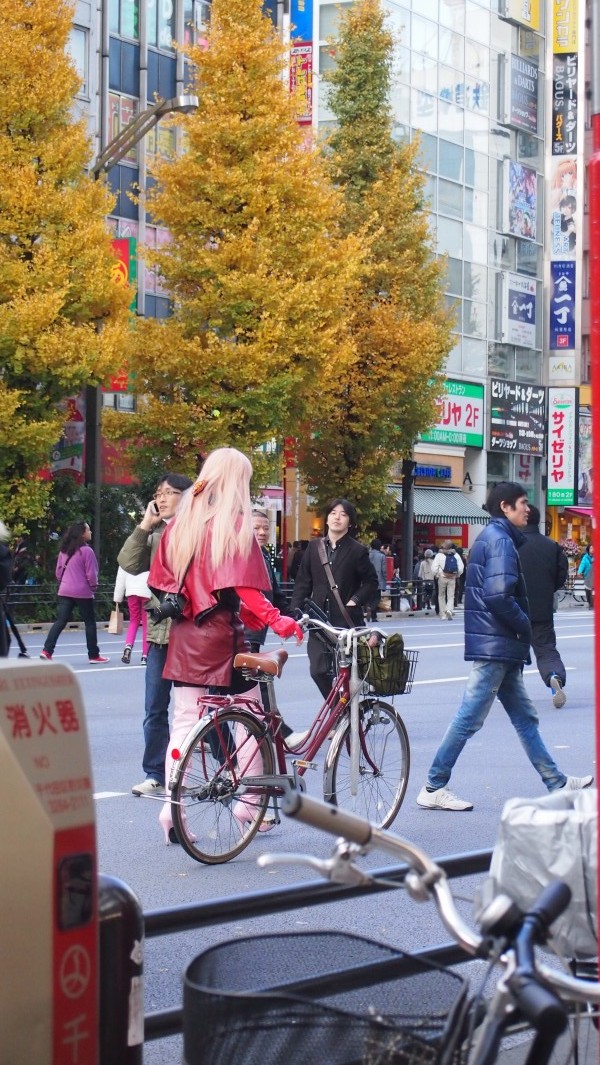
x=562, y=305
x=517, y=417
x=562, y=447
x=460, y=418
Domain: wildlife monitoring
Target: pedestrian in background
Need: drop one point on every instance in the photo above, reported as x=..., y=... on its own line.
x=545, y=568
x=77, y=576
x=586, y=570
x=6, y=565
x=354, y=577
x=497, y=640
x=133, y=587
x=379, y=563
x=447, y=568
x=136, y=556
x=427, y=577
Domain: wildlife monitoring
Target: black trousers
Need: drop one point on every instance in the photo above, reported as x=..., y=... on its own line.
x=548, y=660
x=321, y=664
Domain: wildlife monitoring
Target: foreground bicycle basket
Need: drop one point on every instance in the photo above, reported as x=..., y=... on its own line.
x=391, y=675
x=269, y=1000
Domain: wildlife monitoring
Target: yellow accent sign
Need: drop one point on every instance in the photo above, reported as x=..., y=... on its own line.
x=525, y=12
x=564, y=26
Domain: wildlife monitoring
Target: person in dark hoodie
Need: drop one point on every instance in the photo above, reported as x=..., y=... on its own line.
x=545, y=569
x=497, y=640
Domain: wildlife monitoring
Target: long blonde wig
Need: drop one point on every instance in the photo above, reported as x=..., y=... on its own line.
x=220, y=497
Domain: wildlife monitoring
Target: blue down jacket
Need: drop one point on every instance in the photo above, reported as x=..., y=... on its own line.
x=496, y=610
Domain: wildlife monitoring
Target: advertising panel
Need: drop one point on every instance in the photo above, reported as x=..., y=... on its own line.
x=563, y=208
x=522, y=85
x=524, y=12
x=301, y=81
x=564, y=104
x=564, y=26
x=562, y=447
x=301, y=20
x=460, y=419
x=517, y=417
x=562, y=306
x=518, y=310
x=584, y=481
x=520, y=200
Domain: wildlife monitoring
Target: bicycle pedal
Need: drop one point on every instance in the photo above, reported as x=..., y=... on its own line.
x=303, y=764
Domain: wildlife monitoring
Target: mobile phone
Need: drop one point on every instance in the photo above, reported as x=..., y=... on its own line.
x=155, y=507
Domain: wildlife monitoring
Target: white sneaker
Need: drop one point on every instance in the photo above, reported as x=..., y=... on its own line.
x=148, y=787
x=442, y=799
x=559, y=698
x=295, y=739
x=577, y=783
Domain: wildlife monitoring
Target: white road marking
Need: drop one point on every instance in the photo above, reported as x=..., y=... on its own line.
x=109, y=794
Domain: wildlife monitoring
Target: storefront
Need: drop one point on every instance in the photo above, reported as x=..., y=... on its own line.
x=441, y=514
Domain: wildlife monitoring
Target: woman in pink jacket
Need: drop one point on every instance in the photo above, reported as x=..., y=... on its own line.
x=77, y=576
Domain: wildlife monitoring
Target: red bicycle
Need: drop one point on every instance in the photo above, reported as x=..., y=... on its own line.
x=234, y=763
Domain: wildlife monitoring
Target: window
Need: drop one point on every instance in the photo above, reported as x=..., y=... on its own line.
x=450, y=198
x=528, y=366
x=451, y=163
x=501, y=361
x=453, y=281
x=162, y=76
x=77, y=47
x=124, y=67
x=122, y=180
x=161, y=23
x=121, y=111
x=124, y=18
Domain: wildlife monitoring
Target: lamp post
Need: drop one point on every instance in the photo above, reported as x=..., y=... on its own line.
x=116, y=150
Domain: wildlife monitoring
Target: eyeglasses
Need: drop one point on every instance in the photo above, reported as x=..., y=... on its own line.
x=166, y=492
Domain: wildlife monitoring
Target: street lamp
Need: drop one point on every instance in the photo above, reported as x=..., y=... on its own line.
x=118, y=148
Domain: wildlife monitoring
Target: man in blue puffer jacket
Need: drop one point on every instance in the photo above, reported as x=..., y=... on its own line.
x=497, y=639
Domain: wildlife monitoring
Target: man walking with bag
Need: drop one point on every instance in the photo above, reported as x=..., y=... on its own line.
x=337, y=575
x=447, y=567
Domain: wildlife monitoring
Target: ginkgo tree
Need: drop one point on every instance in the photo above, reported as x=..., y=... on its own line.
x=373, y=399
x=260, y=276
x=63, y=312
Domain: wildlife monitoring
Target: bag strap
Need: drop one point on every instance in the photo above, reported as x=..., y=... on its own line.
x=331, y=581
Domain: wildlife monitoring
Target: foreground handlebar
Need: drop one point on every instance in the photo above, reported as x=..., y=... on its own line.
x=327, y=818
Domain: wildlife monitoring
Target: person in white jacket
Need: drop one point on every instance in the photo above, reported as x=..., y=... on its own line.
x=133, y=587
x=447, y=567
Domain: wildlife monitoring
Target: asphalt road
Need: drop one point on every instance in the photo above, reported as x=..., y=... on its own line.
x=492, y=769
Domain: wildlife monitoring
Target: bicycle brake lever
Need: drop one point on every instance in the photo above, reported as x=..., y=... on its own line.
x=339, y=869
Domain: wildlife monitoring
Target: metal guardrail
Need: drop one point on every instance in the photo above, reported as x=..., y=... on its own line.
x=116, y=953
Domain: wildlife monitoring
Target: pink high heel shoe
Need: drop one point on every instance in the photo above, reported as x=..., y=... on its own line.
x=243, y=816
x=166, y=823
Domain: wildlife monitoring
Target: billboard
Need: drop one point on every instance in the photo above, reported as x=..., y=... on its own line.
x=519, y=297
x=563, y=208
x=564, y=104
x=584, y=480
x=524, y=12
x=517, y=417
x=564, y=26
x=562, y=306
x=562, y=447
x=460, y=418
x=520, y=200
x=522, y=94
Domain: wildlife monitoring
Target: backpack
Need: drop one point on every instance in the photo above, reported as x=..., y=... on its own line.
x=450, y=565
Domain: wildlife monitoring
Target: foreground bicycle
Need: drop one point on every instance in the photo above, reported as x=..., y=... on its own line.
x=373, y=1005
x=233, y=764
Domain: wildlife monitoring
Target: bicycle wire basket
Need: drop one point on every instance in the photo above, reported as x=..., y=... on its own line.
x=391, y=675
x=325, y=997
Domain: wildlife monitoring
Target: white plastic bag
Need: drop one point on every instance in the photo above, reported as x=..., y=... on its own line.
x=553, y=838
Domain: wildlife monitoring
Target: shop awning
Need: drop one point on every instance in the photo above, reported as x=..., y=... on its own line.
x=586, y=511
x=443, y=506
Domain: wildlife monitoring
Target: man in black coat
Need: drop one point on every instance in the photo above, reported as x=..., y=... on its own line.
x=545, y=569
x=354, y=576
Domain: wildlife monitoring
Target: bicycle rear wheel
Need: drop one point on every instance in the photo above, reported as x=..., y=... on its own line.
x=384, y=764
x=215, y=814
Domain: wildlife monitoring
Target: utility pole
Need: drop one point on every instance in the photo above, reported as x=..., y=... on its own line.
x=408, y=514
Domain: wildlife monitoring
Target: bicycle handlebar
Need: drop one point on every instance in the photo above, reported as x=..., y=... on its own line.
x=428, y=880
x=308, y=622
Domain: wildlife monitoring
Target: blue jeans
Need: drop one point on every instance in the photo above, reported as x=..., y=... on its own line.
x=66, y=606
x=156, y=720
x=486, y=681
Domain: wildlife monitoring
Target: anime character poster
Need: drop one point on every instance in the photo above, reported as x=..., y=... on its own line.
x=563, y=208
x=520, y=200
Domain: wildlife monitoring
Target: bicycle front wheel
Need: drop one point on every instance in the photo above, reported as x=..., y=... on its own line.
x=384, y=764
x=216, y=811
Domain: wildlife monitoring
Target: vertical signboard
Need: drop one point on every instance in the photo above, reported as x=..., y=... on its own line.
x=519, y=295
x=564, y=104
x=522, y=94
x=301, y=59
x=562, y=305
x=562, y=447
x=520, y=200
x=517, y=417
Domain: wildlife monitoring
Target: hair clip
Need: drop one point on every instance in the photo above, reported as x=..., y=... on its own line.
x=199, y=487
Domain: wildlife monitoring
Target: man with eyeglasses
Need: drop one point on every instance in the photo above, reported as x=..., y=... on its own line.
x=135, y=557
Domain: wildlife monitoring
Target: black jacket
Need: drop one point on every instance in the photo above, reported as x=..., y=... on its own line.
x=545, y=569
x=353, y=573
